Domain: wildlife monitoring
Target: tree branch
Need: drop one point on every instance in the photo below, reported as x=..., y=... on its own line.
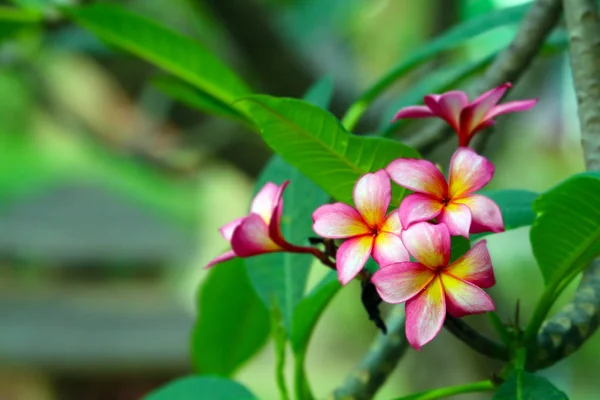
x=381, y=359
x=566, y=332
x=474, y=340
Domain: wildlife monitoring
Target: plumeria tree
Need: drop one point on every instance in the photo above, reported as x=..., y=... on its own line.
x=373, y=209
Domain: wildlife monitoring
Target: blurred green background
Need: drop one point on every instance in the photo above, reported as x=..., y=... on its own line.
x=111, y=194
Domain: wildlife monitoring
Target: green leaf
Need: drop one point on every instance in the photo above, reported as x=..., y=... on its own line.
x=565, y=235
x=190, y=96
x=309, y=310
x=313, y=141
x=516, y=207
x=282, y=276
x=201, y=388
x=13, y=20
x=459, y=246
x=232, y=325
x=175, y=53
x=320, y=93
x=523, y=385
x=279, y=335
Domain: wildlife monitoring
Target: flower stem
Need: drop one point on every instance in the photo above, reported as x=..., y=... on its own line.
x=443, y=393
x=499, y=327
x=476, y=341
x=301, y=386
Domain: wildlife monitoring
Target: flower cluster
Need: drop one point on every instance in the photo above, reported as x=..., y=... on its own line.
x=421, y=227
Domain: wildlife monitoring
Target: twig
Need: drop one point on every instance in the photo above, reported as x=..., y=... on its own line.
x=377, y=364
x=474, y=340
x=510, y=64
x=566, y=332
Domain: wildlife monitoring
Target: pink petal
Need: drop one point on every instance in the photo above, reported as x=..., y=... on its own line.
x=275, y=221
x=338, y=221
x=484, y=103
x=425, y=314
x=511, y=106
x=399, y=282
x=413, y=112
x=392, y=223
x=219, y=259
x=429, y=244
x=419, y=207
x=475, y=266
x=352, y=256
x=252, y=237
x=448, y=106
x=372, y=194
x=265, y=201
x=485, y=213
x=388, y=249
x=227, y=229
x=457, y=217
x=469, y=172
x=420, y=176
x=463, y=298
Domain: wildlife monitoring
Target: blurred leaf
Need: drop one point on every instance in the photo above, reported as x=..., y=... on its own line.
x=175, y=53
x=522, y=385
x=459, y=245
x=309, y=310
x=279, y=335
x=194, y=98
x=201, y=388
x=516, y=207
x=320, y=93
x=281, y=277
x=450, y=39
x=232, y=324
x=12, y=20
x=565, y=235
x=313, y=141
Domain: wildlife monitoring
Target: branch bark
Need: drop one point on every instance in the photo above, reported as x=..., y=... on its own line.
x=379, y=361
x=474, y=340
x=569, y=329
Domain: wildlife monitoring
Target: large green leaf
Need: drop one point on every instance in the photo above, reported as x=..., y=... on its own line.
x=232, y=325
x=522, y=385
x=281, y=277
x=175, y=53
x=566, y=232
x=313, y=141
x=201, y=388
x=516, y=207
x=190, y=96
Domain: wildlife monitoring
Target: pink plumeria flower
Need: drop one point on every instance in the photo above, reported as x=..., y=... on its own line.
x=466, y=119
x=430, y=286
x=367, y=228
x=260, y=231
x=452, y=203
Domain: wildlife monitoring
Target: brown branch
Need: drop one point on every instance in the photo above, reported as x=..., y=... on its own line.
x=569, y=329
x=379, y=361
x=474, y=340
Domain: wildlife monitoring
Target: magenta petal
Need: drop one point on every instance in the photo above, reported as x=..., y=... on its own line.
x=475, y=266
x=429, y=244
x=222, y=258
x=388, y=249
x=338, y=221
x=372, y=194
x=484, y=103
x=352, y=256
x=452, y=103
x=418, y=207
x=511, y=106
x=421, y=176
x=399, y=282
x=275, y=221
x=425, y=314
x=413, y=112
x=457, y=217
x=227, y=229
x=463, y=298
x=252, y=237
x=265, y=201
x=469, y=172
x=485, y=214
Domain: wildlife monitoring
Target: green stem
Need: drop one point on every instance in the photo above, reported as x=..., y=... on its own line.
x=499, y=327
x=443, y=393
x=279, y=339
x=301, y=387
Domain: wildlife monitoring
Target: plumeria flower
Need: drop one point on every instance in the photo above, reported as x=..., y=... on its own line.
x=454, y=203
x=260, y=231
x=466, y=119
x=367, y=228
x=430, y=287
